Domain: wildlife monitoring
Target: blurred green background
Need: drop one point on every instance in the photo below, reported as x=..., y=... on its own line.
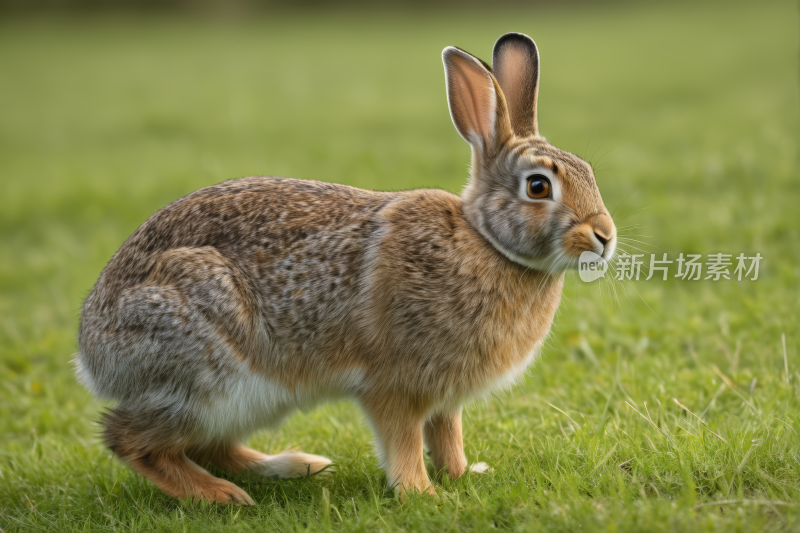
x=687, y=110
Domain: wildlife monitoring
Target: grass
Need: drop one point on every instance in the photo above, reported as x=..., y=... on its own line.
x=689, y=111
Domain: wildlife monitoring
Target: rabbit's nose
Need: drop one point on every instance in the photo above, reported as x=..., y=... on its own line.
x=604, y=230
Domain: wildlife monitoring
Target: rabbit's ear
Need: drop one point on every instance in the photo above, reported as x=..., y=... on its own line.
x=477, y=106
x=515, y=61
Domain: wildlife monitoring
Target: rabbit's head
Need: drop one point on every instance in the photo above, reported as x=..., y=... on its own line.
x=536, y=204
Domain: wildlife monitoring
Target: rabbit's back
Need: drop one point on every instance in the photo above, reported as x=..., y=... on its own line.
x=234, y=279
x=249, y=220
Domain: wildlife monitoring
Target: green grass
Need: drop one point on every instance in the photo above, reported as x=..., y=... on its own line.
x=690, y=111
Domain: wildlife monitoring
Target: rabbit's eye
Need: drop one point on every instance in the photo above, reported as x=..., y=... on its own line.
x=538, y=186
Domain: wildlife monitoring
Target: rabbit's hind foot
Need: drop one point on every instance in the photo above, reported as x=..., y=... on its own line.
x=240, y=459
x=152, y=443
x=292, y=464
x=180, y=477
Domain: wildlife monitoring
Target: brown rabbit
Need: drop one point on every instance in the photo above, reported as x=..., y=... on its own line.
x=235, y=305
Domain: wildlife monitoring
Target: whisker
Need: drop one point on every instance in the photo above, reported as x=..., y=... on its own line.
x=553, y=266
x=640, y=296
x=600, y=288
x=622, y=286
x=595, y=151
x=614, y=282
x=634, y=226
x=586, y=151
x=623, y=201
x=635, y=211
x=629, y=245
x=519, y=278
x=601, y=165
x=628, y=241
x=607, y=284
x=567, y=285
x=568, y=300
x=613, y=278
x=648, y=305
x=608, y=152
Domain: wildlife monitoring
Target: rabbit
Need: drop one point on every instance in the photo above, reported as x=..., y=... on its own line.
x=232, y=307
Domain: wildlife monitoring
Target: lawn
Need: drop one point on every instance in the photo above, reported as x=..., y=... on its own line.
x=688, y=113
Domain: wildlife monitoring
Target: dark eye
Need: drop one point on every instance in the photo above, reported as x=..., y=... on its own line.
x=538, y=186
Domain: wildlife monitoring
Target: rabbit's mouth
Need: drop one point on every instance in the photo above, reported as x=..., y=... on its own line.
x=597, y=234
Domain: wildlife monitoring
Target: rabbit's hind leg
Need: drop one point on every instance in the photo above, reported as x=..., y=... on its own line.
x=238, y=458
x=153, y=445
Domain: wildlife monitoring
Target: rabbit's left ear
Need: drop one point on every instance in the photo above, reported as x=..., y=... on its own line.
x=515, y=63
x=476, y=103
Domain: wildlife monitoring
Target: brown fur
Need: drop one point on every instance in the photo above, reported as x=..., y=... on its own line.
x=446, y=444
x=235, y=305
x=236, y=458
x=179, y=477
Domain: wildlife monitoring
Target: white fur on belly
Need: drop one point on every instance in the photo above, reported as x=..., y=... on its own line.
x=515, y=373
x=248, y=401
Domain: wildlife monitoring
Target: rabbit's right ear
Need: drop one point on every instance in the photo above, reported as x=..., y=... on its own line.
x=477, y=106
x=515, y=60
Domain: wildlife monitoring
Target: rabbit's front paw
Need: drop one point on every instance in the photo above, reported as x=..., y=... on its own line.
x=403, y=491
